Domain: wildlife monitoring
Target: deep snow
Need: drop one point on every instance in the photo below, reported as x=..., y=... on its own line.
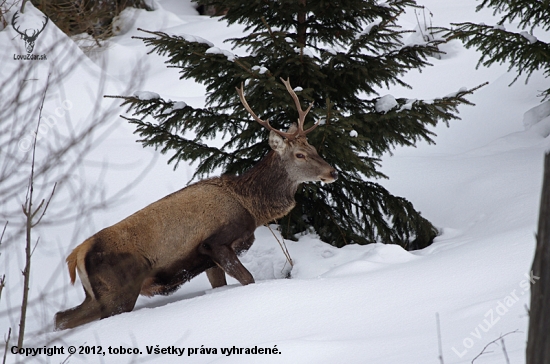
x=359, y=304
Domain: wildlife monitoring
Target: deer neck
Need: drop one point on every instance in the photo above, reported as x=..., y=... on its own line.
x=265, y=190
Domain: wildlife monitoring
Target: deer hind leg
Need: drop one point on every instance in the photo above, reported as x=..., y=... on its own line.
x=86, y=312
x=116, y=280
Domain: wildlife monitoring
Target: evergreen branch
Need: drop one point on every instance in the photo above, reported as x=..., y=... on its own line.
x=529, y=13
x=498, y=45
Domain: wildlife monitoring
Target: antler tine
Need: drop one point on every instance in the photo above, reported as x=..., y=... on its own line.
x=43, y=25
x=301, y=113
x=264, y=123
x=15, y=16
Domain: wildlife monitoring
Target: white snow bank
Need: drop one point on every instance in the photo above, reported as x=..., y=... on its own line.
x=536, y=114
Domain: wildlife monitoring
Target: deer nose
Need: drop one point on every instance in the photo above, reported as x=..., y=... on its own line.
x=334, y=174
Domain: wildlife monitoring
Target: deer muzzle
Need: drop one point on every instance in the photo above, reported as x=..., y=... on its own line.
x=332, y=176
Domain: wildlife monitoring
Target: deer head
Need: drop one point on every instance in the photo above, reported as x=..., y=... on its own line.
x=301, y=159
x=29, y=39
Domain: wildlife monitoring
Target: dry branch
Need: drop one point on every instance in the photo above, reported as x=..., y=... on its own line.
x=7, y=341
x=283, y=247
x=501, y=338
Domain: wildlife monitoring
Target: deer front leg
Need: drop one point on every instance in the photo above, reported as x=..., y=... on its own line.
x=226, y=259
x=216, y=276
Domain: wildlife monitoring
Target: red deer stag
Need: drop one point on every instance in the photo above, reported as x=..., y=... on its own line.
x=202, y=227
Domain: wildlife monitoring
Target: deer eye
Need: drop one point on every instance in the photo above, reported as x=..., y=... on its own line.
x=300, y=155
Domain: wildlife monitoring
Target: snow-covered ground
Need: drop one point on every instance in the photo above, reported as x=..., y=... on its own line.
x=373, y=304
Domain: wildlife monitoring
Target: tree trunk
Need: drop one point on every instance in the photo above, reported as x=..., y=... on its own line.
x=538, y=342
x=302, y=26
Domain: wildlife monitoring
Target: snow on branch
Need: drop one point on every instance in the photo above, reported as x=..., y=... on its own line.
x=215, y=50
x=195, y=39
x=387, y=103
x=531, y=38
x=187, y=37
x=146, y=95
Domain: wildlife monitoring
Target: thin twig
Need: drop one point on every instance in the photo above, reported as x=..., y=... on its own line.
x=66, y=359
x=504, y=351
x=493, y=342
x=2, y=284
x=283, y=247
x=3, y=279
x=6, y=347
x=35, y=245
x=45, y=207
x=3, y=231
x=439, y=345
x=424, y=38
x=29, y=214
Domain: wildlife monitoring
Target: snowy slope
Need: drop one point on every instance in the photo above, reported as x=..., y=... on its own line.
x=360, y=304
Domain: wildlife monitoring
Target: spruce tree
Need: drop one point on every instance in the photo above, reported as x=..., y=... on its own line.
x=336, y=54
x=521, y=49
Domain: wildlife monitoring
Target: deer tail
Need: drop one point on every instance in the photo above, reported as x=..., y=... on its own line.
x=76, y=263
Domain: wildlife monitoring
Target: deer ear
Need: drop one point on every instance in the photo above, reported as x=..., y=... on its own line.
x=277, y=142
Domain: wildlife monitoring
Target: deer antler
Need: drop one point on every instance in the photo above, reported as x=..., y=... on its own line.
x=13, y=19
x=43, y=26
x=35, y=32
x=301, y=114
x=265, y=123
